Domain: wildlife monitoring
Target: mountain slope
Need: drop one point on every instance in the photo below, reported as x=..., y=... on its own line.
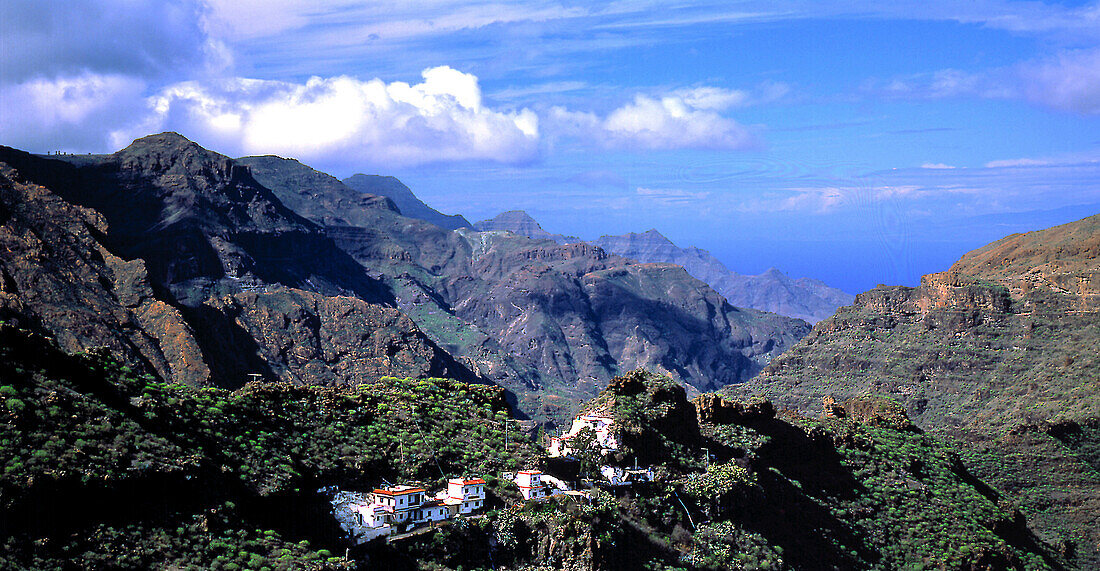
x=348, y=289
x=519, y=222
x=998, y=352
x=60, y=279
x=551, y=322
x=106, y=468
x=175, y=230
x=407, y=202
x=772, y=290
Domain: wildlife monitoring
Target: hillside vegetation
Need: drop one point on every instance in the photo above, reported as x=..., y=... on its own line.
x=998, y=355
x=102, y=466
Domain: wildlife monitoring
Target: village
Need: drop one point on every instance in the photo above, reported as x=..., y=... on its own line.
x=397, y=511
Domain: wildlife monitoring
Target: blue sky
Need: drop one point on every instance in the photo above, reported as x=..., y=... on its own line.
x=854, y=142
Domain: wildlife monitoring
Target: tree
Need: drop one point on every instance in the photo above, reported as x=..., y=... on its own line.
x=586, y=449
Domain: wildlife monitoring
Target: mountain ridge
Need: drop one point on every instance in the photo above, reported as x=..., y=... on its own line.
x=997, y=354
x=407, y=203
x=176, y=230
x=546, y=320
x=772, y=290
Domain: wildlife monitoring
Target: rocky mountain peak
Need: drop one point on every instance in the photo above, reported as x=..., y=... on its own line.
x=171, y=151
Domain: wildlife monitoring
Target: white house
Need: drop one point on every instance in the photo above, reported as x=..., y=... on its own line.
x=403, y=502
x=601, y=423
x=391, y=510
x=467, y=494
x=432, y=511
x=531, y=486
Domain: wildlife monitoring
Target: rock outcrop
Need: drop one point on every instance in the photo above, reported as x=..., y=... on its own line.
x=59, y=278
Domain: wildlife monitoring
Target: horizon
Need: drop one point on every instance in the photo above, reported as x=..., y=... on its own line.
x=852, y=144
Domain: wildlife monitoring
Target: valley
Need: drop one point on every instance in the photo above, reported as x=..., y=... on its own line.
x=225, y=336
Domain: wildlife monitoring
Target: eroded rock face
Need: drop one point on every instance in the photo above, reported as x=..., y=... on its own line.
x=1005, y=338
x=713, y=409
x=178, y=261
x=310, y=339
x=59, y=278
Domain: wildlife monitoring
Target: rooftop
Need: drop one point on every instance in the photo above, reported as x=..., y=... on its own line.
x=398, y=491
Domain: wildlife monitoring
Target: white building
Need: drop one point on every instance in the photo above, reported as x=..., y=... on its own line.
x=531, y=486
x=466, y=494
x=402, y=502
x=601, y=423
x=396, y=509
x=617, y=476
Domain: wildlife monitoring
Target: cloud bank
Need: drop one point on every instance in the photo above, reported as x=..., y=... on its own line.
x=343, y=120
x=687, y=119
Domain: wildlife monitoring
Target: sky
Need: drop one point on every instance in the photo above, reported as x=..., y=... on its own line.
x=857, y=143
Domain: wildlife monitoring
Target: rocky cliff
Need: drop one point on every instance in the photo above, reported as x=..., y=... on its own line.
x=142, y=251
x=993, y=353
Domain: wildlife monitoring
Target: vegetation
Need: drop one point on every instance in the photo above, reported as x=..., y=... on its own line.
x=133, y=469
x=103, y=466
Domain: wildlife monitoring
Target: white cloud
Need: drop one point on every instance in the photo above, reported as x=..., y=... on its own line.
x=670, y=196
x=356, y=20
x=680, y=121
x=1069, y=82
x=1091, y=157
x=346, y=121
x=817, y=200
x=1025, y=162
x=936, y=166
x=828, y=199
x=946, y=83
x=720, y=99
x=712, y=98
x=70, y=113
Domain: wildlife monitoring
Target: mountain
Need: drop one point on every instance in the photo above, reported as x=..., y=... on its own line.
x=407, y=202
x=997, y=353
x=803, y=298
x=164, y=251
x=772, y=290
x=195, y=268
x=553, y=323
x=519, y=222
